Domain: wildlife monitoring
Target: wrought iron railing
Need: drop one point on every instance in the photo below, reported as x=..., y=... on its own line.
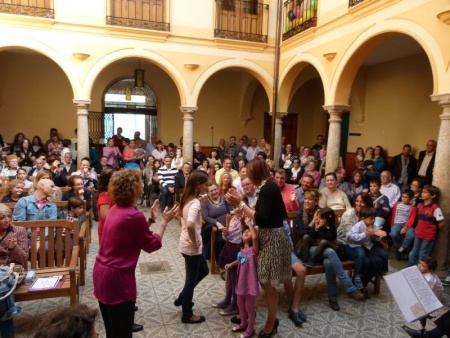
x=242, y=20
x=352, y=3
x=37, y=8
x=144, y=14
x=298, y=16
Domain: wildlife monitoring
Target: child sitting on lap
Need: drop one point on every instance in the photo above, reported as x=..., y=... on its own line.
x=360, y=243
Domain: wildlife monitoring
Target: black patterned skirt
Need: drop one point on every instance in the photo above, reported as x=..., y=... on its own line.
x=274, y=259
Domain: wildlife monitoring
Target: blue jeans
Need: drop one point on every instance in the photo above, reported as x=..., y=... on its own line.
x=165, y=193
x=333, y=267
x=371, y=262
x=409, y=236
x=358, y=256
x=7, y=328
x=421, y=248
x=196, y=269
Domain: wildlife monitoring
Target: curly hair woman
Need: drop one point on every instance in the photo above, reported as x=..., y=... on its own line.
x=126, y=232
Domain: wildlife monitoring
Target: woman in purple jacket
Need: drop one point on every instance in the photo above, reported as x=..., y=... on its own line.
x=126, y=232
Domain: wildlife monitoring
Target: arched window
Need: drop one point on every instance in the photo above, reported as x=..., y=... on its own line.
x=132, y=108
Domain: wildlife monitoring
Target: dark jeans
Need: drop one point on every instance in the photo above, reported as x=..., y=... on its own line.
x=373, y=262
x=7, y=328
x=196, y=269
x=165, y=194
x=118, y=319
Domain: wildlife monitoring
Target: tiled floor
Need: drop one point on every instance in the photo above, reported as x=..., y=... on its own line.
x=378, y=317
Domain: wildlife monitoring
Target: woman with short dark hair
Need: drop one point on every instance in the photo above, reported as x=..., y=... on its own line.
x=274, y=261
x=65, y=322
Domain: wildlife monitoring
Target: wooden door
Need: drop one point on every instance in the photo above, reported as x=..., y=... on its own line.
x=289, y=129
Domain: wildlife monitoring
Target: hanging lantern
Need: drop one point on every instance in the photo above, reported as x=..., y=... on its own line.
x=139, y=78
x=128, y=92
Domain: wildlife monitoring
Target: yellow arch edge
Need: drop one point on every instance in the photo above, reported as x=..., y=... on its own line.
x=287, y=81
x=118, y=55
x=66, y=66
x=257, y=71
x=413, y=30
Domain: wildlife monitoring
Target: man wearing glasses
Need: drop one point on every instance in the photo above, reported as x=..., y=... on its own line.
x=403, y=168
x=426, y=162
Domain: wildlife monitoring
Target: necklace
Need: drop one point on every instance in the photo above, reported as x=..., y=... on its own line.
x=218, y=203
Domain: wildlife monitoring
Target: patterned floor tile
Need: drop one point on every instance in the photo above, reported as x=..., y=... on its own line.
x=378, y=317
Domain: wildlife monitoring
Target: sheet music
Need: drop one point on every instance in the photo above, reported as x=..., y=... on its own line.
x=45, y=283
x=412, y=293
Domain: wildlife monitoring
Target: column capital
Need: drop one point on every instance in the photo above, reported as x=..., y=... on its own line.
x=81, y=103
x=281, y=114
x=336, y=108
x=441, y=99
x=190, y=110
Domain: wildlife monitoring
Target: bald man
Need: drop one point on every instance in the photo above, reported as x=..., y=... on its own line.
x=426, y=162
x=37, y=206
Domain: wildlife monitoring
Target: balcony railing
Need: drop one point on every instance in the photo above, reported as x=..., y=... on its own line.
x=37, y=8
x=352, y=3
x=144, y=14
x=242, y=20
x=298, y=16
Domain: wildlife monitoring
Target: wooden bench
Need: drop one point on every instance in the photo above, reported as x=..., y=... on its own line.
x=58, y=261
x=82, y=239
x=348, y=265
x=82, y=236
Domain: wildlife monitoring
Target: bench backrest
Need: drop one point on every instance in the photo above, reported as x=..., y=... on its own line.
x=59, y=246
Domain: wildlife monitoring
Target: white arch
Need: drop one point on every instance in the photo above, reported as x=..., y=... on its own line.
x=415, y=31
x=112, y=57
x=15, y=42
x=260, y=73
x=313, y=61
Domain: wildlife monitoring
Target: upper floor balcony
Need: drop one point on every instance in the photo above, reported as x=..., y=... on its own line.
x=298, y=16
x=37, y=8
x=242, y=20
x=143, y=14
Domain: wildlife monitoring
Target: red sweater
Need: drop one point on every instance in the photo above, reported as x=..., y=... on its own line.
x=412, y=216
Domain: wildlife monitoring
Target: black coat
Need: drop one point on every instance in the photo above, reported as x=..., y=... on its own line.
x=396, y=168
x=180, y=182
x=429, y=173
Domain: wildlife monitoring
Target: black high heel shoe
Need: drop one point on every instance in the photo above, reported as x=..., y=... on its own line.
x=262, y=334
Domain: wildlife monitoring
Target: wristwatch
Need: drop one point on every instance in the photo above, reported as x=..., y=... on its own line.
x=241, y=205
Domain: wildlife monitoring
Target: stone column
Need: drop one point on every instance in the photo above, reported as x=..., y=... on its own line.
x=278, y=135
x=334, y=136
x=441, y=178
x=83, y=129
x=188, y=132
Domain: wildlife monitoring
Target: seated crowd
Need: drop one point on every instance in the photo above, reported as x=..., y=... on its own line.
x=379, y=202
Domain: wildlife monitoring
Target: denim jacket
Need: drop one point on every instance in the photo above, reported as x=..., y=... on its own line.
x=27, y=209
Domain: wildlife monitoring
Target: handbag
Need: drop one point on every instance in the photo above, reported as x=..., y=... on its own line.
x=8, y=283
